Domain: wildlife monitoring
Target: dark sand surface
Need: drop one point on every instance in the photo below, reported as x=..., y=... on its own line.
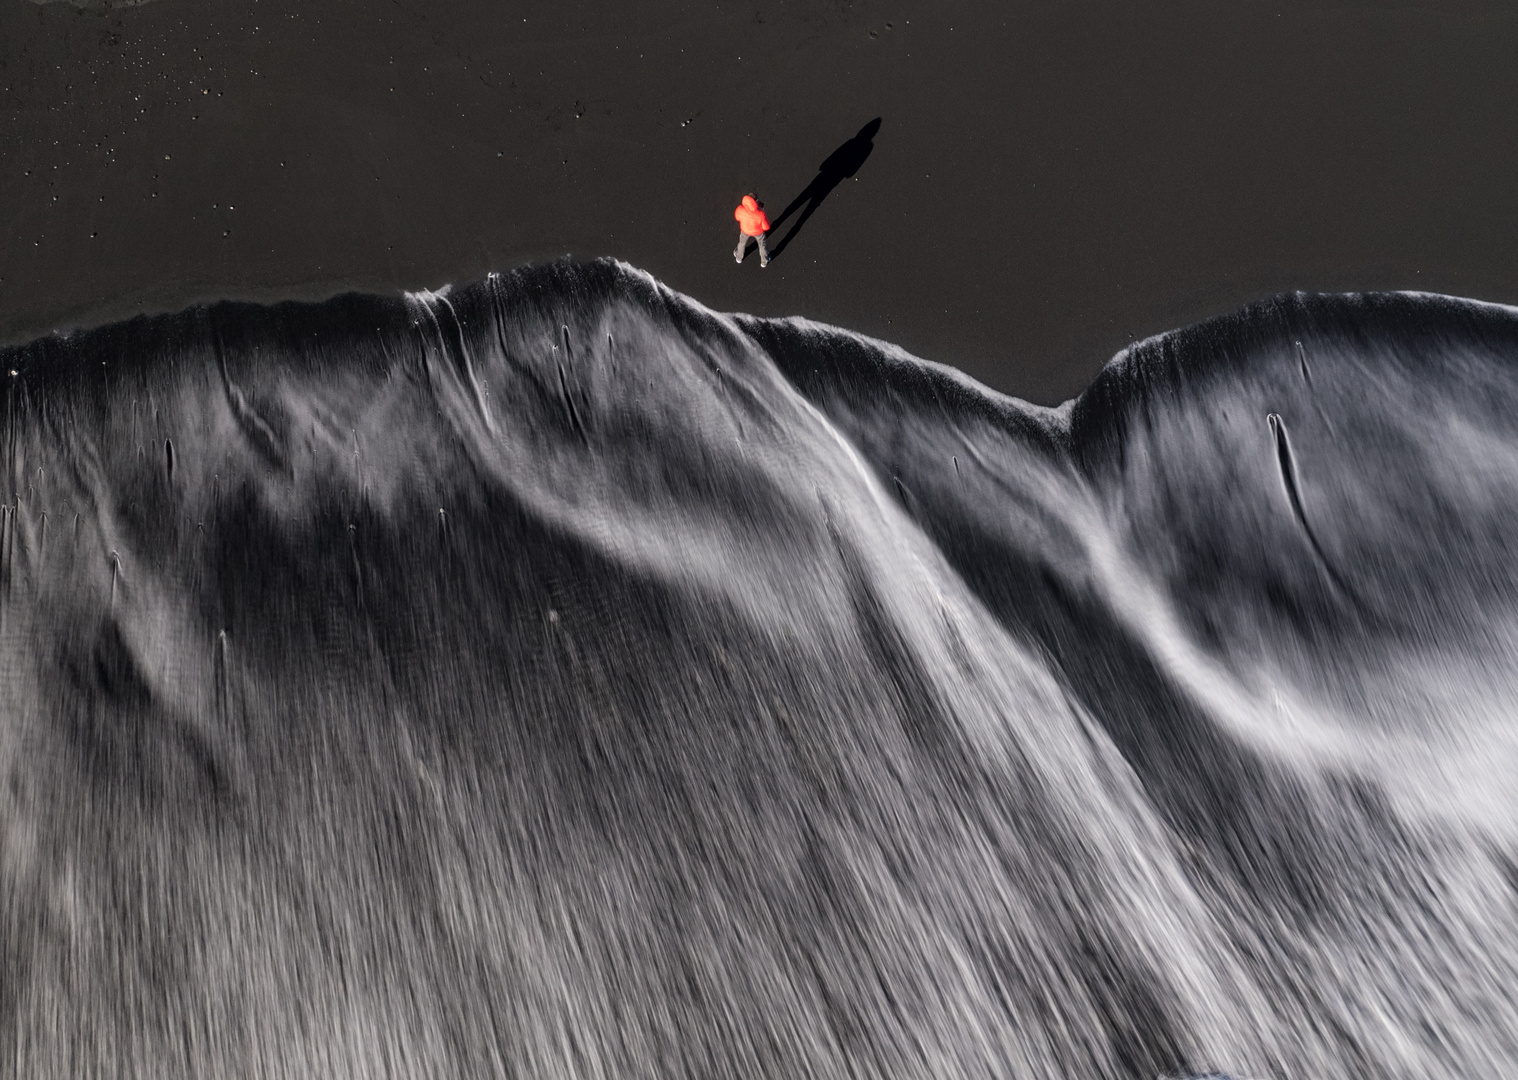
x=1050, y=181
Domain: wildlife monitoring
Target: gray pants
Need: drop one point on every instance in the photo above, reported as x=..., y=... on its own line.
x=743, y=239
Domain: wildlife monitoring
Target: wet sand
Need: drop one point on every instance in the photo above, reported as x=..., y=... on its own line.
x=1046, y=184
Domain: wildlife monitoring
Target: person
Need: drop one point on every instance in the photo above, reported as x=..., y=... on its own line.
x=752, y=221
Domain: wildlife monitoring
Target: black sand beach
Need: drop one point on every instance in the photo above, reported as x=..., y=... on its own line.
x=558, y=675
x=1049, y=182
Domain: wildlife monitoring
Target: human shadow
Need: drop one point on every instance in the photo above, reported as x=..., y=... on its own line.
x=839, y=166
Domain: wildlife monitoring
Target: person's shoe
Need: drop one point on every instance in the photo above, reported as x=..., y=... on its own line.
x=763, y=263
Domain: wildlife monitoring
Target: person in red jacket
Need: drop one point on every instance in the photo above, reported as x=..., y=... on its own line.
x=752, y=221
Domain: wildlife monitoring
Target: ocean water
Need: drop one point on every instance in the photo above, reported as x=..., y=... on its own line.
x=551, y=677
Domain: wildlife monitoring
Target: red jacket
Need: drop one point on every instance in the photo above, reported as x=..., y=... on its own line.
x=752, y=220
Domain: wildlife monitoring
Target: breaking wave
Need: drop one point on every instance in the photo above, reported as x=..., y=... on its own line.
x=553, y=677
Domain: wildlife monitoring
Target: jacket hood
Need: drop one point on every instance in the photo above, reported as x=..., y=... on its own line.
x=750, y=203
